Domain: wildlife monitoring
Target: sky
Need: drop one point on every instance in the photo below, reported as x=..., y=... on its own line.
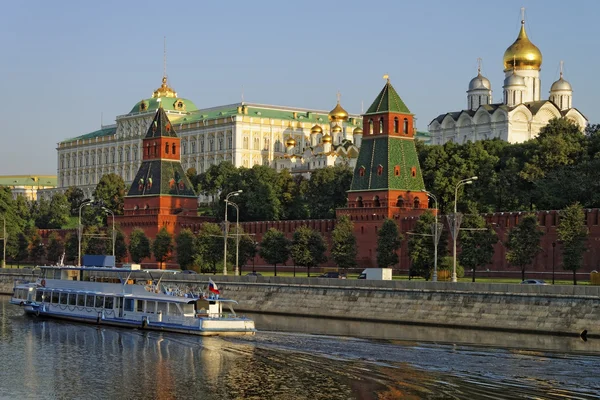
x=69, y=66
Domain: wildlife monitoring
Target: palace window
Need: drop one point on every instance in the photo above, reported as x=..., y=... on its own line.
x=220, y=143
x=370, y=127
x=193, y=146
x=256, y=143
x=211, y=145
x=405, y=126
x=127, y=154
x=135, y=153
x=167, y=148
x=174, y=149
x=120, y=155
x=396, y=125
x=380, y=125
x=184, y=148
x=229, y=142
x=201, y=145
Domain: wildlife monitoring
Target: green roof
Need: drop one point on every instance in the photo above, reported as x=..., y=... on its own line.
x=161, y=178
x=160, y=126
x=28, y=180
x=168, y=103
x=102, y=132
x=388, y=100
x=388, y=152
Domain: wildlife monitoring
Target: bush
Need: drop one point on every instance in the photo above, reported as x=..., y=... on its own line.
x=445, y=264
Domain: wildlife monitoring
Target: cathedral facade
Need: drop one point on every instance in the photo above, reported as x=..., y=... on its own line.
x=522, y=112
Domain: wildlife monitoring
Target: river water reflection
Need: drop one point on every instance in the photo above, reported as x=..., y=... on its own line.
x=52, y=359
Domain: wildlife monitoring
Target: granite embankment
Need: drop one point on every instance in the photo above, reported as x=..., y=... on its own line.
x=559, y=309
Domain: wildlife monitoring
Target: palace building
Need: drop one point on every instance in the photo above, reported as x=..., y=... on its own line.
x=522, y=112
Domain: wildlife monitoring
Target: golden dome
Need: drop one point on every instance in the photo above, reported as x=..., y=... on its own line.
x=336, y=129
x=316, y=129
x=358, y=131
x=164, y=90
x=291, y=142
x=522, y=54
x=327, y=138
x=338, y=113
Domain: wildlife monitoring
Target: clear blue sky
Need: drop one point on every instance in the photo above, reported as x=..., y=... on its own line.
x=66, y=63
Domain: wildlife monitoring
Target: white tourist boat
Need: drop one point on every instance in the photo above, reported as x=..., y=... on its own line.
x=119, y=297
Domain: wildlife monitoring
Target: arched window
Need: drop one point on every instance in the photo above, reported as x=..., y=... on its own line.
x=174, y=149
x=148, y=149
x=396, y=127
x=167, y=148
x=413, y=172
x=416, y=202
x=400, y=201
x=361, y=171
x=359, y=202
x=405, y=128
x=397, y=170
x=155, y=149
x=376, y=202
x=381, y=125
x=379, y=170
x=370, y=127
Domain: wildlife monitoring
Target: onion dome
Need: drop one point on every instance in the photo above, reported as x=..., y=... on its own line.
x=514, y=80
x=561, y=85
x=290, y=142
x=327, y=138
x=358, y=131
x=164, y=90
x=338, y=113
x=336, y=129
x=480, y=82
x=522, y=54
x=316, y=130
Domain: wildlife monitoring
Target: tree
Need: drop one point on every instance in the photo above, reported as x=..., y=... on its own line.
x=274, y=248
x=523, y=243
x=343, y=248
x=162, y=247
x=421, y=249
x=56, y=248
x=110, y=190
x=71, y=248
x=120, y=246
x=58, y=214
x=75, y=197
x=210, y=247
x=308, y=248
x=37, y=251
x=186, y=248
x=40, y=213
x=139, y=246
x=326, y=191
x=388, y=242
x=22, y=248
x=97, y=242
x=247, y=250
x=477, y=246
x=573, y=234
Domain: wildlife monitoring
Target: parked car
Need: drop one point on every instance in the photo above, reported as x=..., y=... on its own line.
x=533, y=282
x=336, y=275
x=188, y=271
x=253, y=273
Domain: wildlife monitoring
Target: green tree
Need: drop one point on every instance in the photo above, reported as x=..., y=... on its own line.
x=22, y=248
x=111, y=190
x=75, y=197
x=215, y=178
x=37, y=251
x=120, y=246
x=56, y=248
x=162, y=246
x=97, y=242
x=274, y=248
x=247, y=250
x=446, y=263
x=343, y=248
x=308, y=248
x=523, y=243
x=326, y=191
x=477, y=240
x=58, y=214
x=210, y=247
x=186, y=248
x=71, y=248
x=421, y=249
x=139, y=246
x=573, y=234
x=40, y=213
x=388, y=242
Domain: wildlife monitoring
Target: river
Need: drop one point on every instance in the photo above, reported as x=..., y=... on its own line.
x=290, y=358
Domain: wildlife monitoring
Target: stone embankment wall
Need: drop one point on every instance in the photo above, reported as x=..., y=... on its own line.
x=560, y=309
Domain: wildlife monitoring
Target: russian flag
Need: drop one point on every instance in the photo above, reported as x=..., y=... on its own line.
x=212, y=287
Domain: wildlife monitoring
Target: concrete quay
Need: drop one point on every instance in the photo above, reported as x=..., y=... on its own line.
x=544, y=309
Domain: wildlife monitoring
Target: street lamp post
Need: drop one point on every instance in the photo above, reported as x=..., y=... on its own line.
x=455, y=226
x=114, y=236
x=553, y=260
x=435, y=237
x=236, y=193
x=237, y=236
x=80, y=231
x=4, y=242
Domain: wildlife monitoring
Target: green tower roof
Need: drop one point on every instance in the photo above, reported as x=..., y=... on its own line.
x=388, y=100
x=160, y=126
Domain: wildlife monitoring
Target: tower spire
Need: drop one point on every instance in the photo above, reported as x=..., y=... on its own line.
x=561, y=68
x=522, y=15
x=165, y=56
x=479, y=65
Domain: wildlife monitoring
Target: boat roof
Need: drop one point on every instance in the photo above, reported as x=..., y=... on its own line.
x=106, y=269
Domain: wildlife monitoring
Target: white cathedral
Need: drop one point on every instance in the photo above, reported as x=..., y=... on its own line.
x=522, y=113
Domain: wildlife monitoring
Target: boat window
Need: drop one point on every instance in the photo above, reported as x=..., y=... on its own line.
x=174, y=309
x=81, y=300
x=99, y=301
x=128, y=304
x=54, y=297
x=63, y=298
x=108, y=303
x=119, y=302
x=188, y=309
x=72, y=299
x=150, y=306
x=140, y=305
x=57, y=274
x=89, y=300
x=161, y=307
x=39, y=295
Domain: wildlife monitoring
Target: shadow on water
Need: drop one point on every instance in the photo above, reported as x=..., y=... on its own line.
x=54, y=359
